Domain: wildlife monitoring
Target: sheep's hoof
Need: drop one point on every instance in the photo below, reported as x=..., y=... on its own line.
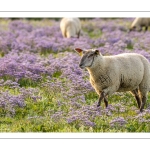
x=141, y=110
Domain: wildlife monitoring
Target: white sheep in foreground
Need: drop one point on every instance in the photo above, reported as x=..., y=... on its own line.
x=138, y=23
x=118, y=73
x=70, y=27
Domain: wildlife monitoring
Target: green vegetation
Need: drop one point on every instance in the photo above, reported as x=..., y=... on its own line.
x=44, y=90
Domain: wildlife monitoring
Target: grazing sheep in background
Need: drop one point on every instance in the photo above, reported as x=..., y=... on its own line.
x=70, y=27
x=118, y=73
x=138, y=23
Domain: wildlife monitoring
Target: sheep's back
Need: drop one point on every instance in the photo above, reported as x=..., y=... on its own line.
x=129, y=69
x=70, y=26
x=141, y=22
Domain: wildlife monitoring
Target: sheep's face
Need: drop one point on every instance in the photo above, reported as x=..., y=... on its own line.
x=136, y=28
x=133, y=28
x=88, y=57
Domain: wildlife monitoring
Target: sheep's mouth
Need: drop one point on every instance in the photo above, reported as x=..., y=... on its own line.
x=82, y=67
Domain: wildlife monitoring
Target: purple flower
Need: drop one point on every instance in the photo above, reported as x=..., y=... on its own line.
x=120, y=121
x=38, y=54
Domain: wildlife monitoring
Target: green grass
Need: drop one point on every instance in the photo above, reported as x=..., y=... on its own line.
x=130, y=46
x=36, y=116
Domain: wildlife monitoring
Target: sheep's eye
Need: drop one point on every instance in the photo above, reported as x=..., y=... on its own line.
x=90, y=55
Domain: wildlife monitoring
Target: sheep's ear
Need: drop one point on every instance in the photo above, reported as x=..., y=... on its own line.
x=97, y=52
x=79, y=50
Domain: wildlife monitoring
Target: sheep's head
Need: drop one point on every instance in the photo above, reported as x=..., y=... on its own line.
x=133, y=28
x=88, y=57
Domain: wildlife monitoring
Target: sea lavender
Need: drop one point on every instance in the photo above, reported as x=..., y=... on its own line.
x=119, y=121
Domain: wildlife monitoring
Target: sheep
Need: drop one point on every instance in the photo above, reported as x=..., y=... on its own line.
x=70, y=27
x=118, y=73
x=138, y=23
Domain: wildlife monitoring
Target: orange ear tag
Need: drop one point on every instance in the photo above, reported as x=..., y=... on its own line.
x=81, y=53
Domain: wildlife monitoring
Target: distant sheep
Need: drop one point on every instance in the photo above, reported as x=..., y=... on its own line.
x=118, y=73
x=70, y=27
x=138, y=23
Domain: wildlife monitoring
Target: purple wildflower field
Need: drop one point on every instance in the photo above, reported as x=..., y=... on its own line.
x=42, y=85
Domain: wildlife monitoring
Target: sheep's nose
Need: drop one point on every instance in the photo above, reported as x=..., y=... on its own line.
x=80, y=65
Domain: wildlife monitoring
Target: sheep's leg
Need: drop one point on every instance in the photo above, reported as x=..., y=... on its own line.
x=135, y=93
x=140, y=29
x=146, y=27
x=78, y=34
x=100, y=99
x=106, y=102
x=143, y=103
